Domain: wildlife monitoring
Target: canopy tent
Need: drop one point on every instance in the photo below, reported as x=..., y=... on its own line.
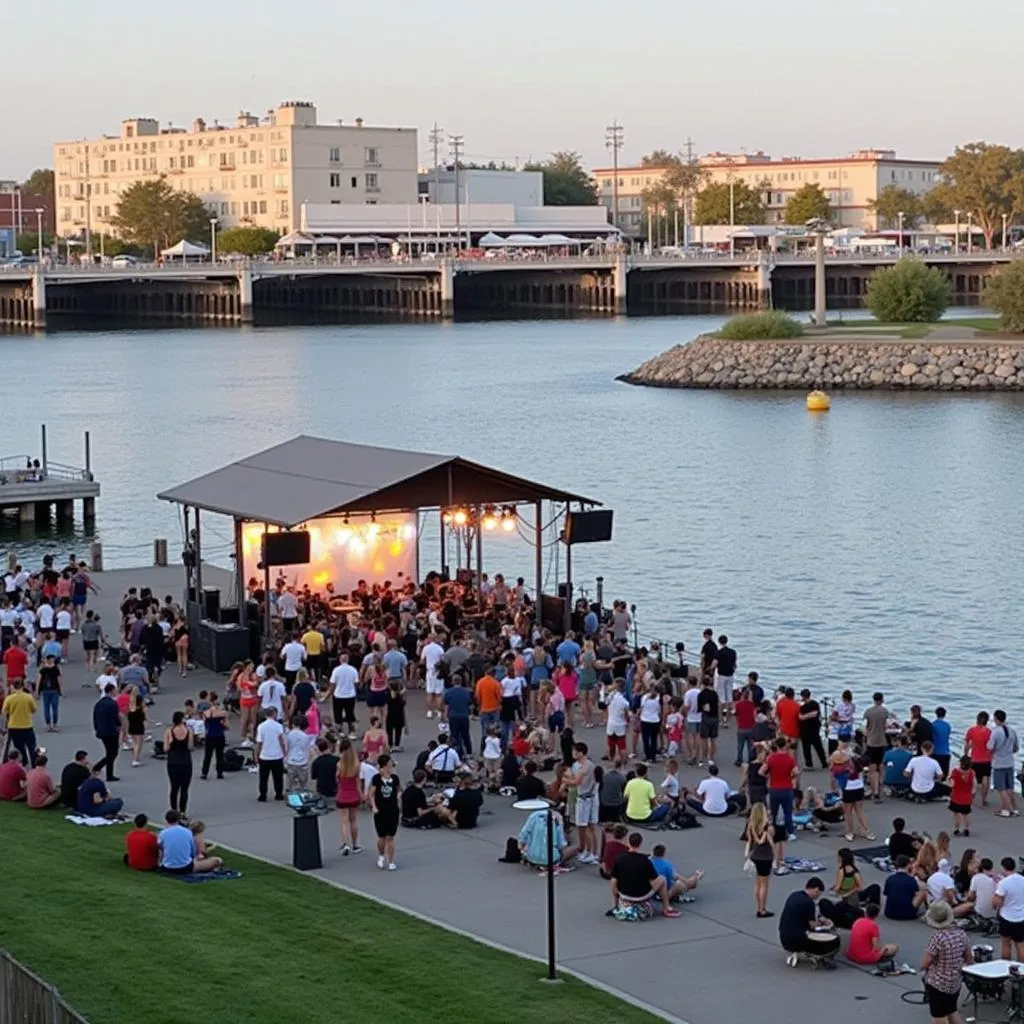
x=184, y=249
x=522, y=240
x=491, y=241
x=558, y=240
x=294, y=238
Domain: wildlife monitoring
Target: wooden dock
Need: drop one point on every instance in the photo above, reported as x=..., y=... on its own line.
x=33, y=486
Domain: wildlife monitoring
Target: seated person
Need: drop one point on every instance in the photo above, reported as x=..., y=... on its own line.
x=670, y=789
x=894, y=763
x=940, y=886
x=424, y=755
x=611, y=795
x=12, y=777
x=40, y=792
x=417, y=810
x=72, y=776
x=142, y=852
x=179, y=852
x=635, y=879
x=799, y=920
x=851, y=892
x=443, y=762
x=614, y=844
x=533, y=840
x=983, y=888
x=926, y=774
x=904, y=897
x=204, y=861
x=822, y=815
x=865, y=946
x=677, y=885
x=465, y=803
x=94, y=799
x=510, y=770
x=521, y=743
x=713, y=796
x=641, y=799
x=901, y=843
x=529, y=786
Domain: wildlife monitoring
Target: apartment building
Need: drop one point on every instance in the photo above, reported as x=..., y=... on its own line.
x=258, y=171
x=850, y=183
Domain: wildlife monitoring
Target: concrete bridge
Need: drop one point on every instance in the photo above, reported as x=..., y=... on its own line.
x=615, y=284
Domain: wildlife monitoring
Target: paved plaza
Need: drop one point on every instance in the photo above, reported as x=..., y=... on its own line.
x=716, y=963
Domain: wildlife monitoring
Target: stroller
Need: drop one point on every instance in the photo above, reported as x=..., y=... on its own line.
x=117, y=656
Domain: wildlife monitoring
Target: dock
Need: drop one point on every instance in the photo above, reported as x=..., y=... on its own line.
x=35, y=486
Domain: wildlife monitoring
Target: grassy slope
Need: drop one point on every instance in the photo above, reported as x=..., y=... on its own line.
x=273, y=946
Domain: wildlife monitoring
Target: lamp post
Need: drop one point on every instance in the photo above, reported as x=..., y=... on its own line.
x=732, y=217
x=900, y=218
x=39, y=233
x=819, y=228
x=1005, y=217
x=545, y=805
x=970, y=233
x=213, y=239
x=956, y=240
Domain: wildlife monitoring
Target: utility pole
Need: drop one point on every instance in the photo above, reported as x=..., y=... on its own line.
x=456, y=145
x=88, y=207
x=613, y=141
x=436, y=137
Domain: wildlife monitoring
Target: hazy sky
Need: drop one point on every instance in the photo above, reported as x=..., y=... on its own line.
x=793, y=77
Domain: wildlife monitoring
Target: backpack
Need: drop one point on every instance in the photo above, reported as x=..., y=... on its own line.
x=684, y=819
x=233, y=761
x=512, y=854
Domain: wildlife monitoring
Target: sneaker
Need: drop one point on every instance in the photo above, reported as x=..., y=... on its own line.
x=791, y=837
x=357, y=849
x=1003, y=814
x=671, y=912
x=782, y=870
x=1015, y=814
x=967, y=833
x=246, y=744
x=430, y=714
x=346, y=850
x=136, y=764
x=381, y=862
x=126, y=746
x=352, y=735
x=392, y=866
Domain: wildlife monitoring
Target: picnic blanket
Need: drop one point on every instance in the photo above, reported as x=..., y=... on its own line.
x=878, y=856
x=81, y=819
x=802, y=865
x=221, y=874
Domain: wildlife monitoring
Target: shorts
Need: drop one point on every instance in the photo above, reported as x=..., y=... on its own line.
x=1012, y=930
x=556, y=722
x=616, y=741
x=763, y=868
x=875, y=755
x=955, y=808
x=346, y=804
x=90, y=645
x=186, y=870
x=434, y=686
x=693, y=728
x=586, y=810
x=386, y=825
x=709, y=728
x=941, y=1004
x=981, y=769
x=78, y=600
x=853, y=796
x=1002, y=779
x=62, y=635
x=723, y=687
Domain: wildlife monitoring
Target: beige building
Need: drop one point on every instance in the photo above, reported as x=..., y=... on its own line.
x=257, y=172
x=849, y=182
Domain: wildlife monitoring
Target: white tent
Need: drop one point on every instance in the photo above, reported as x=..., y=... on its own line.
x=293, y=239
x=557, y=240
x=491, y=241
x=185, y=249
x=521, y=240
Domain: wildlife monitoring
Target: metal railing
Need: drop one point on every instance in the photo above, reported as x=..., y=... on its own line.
x=25, y=997
x=15, y=470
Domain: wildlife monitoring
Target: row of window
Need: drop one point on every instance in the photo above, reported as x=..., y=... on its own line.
x=176, y=141
x=372, y=181
x=251, y=208
x=780, y=177
x=371, y=155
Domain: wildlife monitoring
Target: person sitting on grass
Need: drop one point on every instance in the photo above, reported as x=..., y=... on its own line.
x=141, y=850
x=635, y=879
x=12, y=778
x=204, y=848
x=865, y=946
x=40, y=791
x=94, y=799
x=677, y=884
x=72, y=776
x=179, y=853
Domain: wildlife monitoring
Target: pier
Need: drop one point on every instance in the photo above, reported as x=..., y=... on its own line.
x=33, y=486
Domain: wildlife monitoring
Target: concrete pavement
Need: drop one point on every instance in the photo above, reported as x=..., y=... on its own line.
x=716, y=962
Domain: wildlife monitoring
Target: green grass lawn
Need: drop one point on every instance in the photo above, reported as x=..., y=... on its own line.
x=915, y=330
x=273, y=946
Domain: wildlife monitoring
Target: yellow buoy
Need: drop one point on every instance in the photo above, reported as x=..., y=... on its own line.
x=818, y=401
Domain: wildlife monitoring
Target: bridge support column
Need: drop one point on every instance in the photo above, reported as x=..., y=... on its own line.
x=245, y=296
x=88, y=509
x=764, y=283
x=619, y=276
x=27, y=512
x=38, y=299
x=447, y=289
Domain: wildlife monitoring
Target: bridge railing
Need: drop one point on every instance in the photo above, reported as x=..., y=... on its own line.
x=17, y=469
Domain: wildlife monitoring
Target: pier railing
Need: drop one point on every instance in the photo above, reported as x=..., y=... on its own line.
x=24, y=996
x=17, y=469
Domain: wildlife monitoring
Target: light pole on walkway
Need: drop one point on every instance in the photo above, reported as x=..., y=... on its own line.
x=956, y=240
x=545, y=805
x=819, y=227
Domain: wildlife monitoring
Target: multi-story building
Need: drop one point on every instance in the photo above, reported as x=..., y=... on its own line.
x=257, y=172
x=482, y=185
x=850, y=183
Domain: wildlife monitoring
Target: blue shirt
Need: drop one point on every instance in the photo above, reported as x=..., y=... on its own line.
x=457, y=700
x=940, y=736
x=87, y=795
x=665, y=869
x=900, y=890
x=52, y=649
x=894, y=762
x=395, y=662
x=590, y=623
x=177, y=847
x=568, y=651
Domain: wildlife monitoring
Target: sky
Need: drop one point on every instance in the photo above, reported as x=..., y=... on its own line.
x=813, y=78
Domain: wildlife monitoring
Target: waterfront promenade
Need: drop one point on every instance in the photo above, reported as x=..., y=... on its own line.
x=716, y=963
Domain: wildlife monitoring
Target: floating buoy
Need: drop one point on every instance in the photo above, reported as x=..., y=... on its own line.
x=818, y=401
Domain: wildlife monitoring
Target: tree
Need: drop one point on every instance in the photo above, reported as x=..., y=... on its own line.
x=39, y=183
x=934, y=209
x=657, y=158
x=153, y=214
x=566, y=183
x=909, y=292
x=249, y=241
x=28, y=242
x=491, y=165
x=985, y=180
x=891, y=202
x=661, y=204
x=712, y=206
x=1005, y=294
x=807, y=203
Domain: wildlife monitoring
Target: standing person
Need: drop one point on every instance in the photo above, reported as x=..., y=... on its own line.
x=15, y=661
x=976, y=743
x=586, y=810
x=106, y=725
x=297, y=747
x=216, y=736
x=457, y=703
x=745, y=711
x=617, y=721
x=783, y=774
x=488, y=701
x=691, y=704
x=272, y=693
x=314, y=644
x=80, y=587
x=1004, y=745
x=650, y=722
x=431, y=656
x=18, y=709
x=50, y=687
x=270, y=755
x=349, y=798
x=151, y=640
x=708, y=654
x=394, y=718
x=180, y=636
x=294, y=654
x=63, y=624
x=92, y=635
x=810, y=730
x=248, y=703
x=566, y=680
x=385, y=792
x=136, y=724
x=948, y=950
x=1009, y=902
x=941, y=730
x=725, y=671
x=876, y=721
x=707, y=703
x=961, y=797
x=344, y=680
x=760, y=835
x=178, y=743
x=787, y=714
x=588, y=682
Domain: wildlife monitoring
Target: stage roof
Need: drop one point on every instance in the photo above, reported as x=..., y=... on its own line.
x=308, y=477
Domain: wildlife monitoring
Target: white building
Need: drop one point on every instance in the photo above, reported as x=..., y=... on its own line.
x=521, y=188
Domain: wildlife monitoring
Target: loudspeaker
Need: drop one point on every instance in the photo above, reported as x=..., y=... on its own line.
x=228, y=616
x=552, y=613
x=588, y=527
x=286, y=548
x=211, y=604
x=218, y=647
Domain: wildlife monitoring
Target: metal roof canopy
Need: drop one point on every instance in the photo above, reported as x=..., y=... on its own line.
x=308, y=477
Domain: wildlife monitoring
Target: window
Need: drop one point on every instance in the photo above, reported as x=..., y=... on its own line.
x=245, y=209
x=170, y=163
x=284, y=206
x=606, y=182
x=371, y=183
x=282, y=155
x=280, y=181
x=355, y=181
x=191, y=160
x=234, y=209
x=223, y=209
x=129, y=132
x=372, y=157
x=334, y=155
x=371, y=202
x=65, y=213
x=334, y=180
x=263, y=206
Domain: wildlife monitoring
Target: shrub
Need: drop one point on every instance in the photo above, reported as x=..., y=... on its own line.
x=1005, y=294
x=761, y=326
x=909, y=292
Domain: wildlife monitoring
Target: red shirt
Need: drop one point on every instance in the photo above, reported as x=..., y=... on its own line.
x=520, y=746
x=780, y=770
x=860, y=949
x=11, y=777
x=977, y=736
x=612, y=849
x=142, y=849
x=16, y=662
x=963, y=786
x=38, y=787
x=787, y=711
x=745, y=710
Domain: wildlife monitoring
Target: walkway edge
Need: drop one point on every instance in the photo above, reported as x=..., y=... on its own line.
x=455, y=930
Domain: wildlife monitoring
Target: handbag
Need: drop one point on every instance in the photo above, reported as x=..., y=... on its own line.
x=749, y=868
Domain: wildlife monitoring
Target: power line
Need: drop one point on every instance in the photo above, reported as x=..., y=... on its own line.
x=613, y=139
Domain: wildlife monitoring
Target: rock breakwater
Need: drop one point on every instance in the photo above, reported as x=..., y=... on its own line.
x=830, y=362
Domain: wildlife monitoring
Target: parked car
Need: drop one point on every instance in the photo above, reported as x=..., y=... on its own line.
x=20, y=261
x=124, y=260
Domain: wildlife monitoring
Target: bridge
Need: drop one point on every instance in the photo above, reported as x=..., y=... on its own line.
x=611, y=283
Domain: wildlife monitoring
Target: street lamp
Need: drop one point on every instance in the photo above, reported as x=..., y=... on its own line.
x=970, y=233
x=819, y=227
x=900, y=218
x=1005, y=217
x=732, y=218
x=956, y=241
x=39, y=232
x=533, y=806
x=213, y=239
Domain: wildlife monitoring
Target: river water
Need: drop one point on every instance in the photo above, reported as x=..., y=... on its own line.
x=877, y=546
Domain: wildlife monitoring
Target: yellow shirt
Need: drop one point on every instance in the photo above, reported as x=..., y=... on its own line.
x=313, y=641
x=639, y=798
x=18, y=709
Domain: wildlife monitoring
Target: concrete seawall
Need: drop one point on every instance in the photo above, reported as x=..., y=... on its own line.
x=834, y=363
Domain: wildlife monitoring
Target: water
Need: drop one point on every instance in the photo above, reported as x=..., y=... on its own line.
x=876, y=546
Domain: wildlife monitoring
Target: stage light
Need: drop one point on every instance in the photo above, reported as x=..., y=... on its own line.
x=409, y=532
x=490, y=520
x=508, y=519
x=372, y=532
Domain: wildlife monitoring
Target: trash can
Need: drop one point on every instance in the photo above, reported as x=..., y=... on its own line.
x=306, y=842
